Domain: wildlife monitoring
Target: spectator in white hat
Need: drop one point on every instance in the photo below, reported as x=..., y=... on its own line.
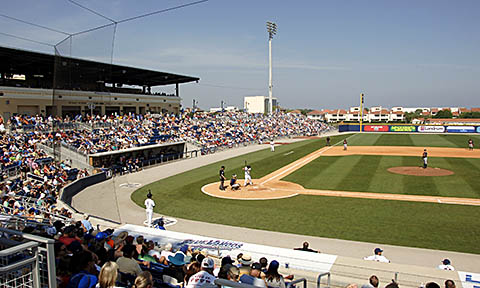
x=205, y=276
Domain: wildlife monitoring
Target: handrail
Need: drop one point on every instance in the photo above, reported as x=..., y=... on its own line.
x=51, y=270
x=319, y=278
x=29, y=236
x=290, y=284
x=18, y=248
x=26, y=220
x=18, y=264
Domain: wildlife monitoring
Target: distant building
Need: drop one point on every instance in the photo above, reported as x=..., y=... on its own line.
x=258, y=104
x=295, y=112
x=316, y=115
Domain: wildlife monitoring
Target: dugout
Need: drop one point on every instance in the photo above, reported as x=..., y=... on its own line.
x=147, y=155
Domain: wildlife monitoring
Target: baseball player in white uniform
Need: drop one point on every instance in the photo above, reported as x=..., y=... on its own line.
x=272, y=146
x=377, y=256
x=446, y=265
x=149, y=204
x=248, y=177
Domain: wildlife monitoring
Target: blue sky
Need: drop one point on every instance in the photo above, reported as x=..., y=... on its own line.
x=399, y=53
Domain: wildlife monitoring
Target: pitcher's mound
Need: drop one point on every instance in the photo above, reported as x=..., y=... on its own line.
x=419, y=171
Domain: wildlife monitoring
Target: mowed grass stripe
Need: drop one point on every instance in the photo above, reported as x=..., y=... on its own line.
x=362, y=139
x=394, y=140
x=383, y=180
x=467, y=173
x=416, y=185
x=433, y=140
x=328, y=173
x=360, y=175
x=322, y=168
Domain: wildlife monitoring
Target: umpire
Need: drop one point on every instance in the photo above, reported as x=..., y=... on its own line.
x=222, y=178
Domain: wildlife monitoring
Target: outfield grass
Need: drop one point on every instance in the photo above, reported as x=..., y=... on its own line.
x=424, y=140
x=426, y=225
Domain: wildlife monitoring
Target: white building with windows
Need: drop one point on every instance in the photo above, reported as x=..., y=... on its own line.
x=258, y=104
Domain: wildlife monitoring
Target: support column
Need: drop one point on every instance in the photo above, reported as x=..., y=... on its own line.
x=177, y=91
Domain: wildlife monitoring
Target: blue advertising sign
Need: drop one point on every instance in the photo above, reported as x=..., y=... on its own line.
x=461, y=129
x=478, y=129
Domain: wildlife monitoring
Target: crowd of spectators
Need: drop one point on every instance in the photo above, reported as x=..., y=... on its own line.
x=30, y=180
x=205, y=130
x=89, y=257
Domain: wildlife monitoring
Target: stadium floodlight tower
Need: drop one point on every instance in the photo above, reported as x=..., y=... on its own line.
x=272, y=30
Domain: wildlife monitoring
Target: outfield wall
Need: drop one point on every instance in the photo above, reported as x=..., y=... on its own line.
x=410, y=128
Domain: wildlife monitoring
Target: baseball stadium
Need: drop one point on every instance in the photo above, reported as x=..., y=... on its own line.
x=108, y=179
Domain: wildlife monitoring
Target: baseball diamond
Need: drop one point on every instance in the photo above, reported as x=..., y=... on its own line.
x=297, y=176
x=270, y=186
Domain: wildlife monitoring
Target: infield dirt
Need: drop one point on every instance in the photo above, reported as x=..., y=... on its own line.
x=271, y=187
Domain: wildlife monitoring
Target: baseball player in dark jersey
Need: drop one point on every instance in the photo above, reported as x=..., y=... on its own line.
x=424, y=157
x=222, y=178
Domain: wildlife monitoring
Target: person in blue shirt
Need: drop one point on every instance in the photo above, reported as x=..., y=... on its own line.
x=233, y=183
x=86, y=276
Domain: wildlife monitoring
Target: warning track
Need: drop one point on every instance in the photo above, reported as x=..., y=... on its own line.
x=271, y=187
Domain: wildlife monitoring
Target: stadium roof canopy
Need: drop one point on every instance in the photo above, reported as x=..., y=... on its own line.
x=18, y=61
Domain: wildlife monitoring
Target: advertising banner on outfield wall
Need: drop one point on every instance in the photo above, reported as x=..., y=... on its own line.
x=317, y=262
x=431, y=129
x=375, y=128
x=403, y=128
x=461, y=129
x=478, y=129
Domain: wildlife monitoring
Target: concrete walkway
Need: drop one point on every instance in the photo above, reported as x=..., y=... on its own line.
x=110, y=201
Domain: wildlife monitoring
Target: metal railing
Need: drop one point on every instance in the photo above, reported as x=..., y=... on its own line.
x=319, y=279
x=19, y=266
x=12, y=172
x=301, y=280
x=42, y=266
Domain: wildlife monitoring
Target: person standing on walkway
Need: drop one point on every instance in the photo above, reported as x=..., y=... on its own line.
x=149, y=204
x=425, y=158
x=222, y=178
x=377, y=256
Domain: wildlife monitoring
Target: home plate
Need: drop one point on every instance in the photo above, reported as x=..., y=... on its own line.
x=130, y=185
